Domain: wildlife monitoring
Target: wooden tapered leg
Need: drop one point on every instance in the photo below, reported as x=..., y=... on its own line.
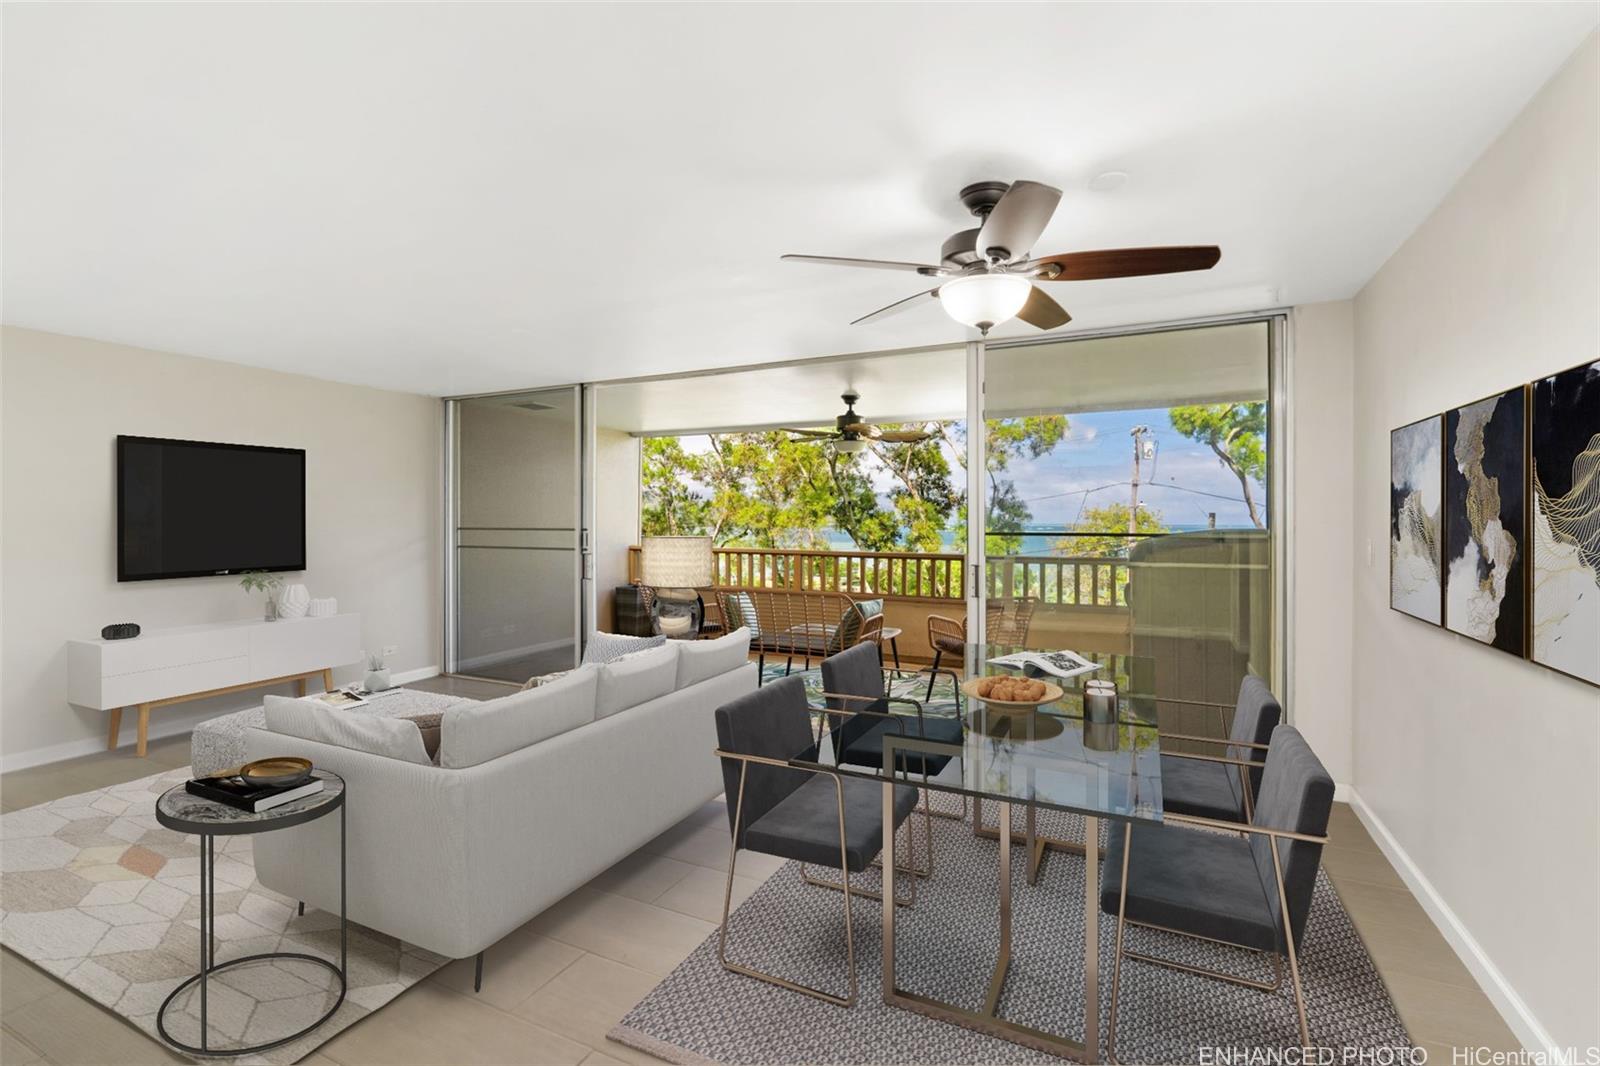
x=300, y=686
x=327, y=679
x=144, y=727
x=116, y=727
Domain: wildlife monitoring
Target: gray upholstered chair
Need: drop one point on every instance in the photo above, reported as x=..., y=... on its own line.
x=1244, y=888
x=813, y=816
x=856, y=704
x=1223, y=786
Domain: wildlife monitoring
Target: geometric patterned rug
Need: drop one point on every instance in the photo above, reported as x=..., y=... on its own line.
x=945, y=947
x=95, y=891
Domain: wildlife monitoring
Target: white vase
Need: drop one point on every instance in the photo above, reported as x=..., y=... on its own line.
x=293, y=601
x=377, y=680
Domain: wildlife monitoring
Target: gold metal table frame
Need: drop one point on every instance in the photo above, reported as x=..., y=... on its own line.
x=988, y=1020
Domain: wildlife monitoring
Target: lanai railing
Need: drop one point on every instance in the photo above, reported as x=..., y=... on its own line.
x=1077, y=581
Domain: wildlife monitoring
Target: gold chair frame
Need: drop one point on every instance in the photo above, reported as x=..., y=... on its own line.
x=842, y=885
x=1283, y=910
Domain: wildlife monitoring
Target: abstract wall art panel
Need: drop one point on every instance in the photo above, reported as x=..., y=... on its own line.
x=1565, y=435
x=1485, y=516
x=1416, y=546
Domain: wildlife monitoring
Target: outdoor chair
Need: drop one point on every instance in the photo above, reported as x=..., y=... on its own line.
x=813, y=816
x=803, y=624
x=1249, y=888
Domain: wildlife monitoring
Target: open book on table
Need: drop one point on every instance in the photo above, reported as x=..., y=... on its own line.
x=1055, y=663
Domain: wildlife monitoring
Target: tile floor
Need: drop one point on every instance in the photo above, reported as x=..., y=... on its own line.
x=554, y=987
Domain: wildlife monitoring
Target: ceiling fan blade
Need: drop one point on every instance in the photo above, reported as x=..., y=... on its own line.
x=808, y=432
x=904, y=436
x=1042, y=311
x=896, y=307
x=1124, y=262
x=1017, y=220
x=874, y=264
x=864, y=429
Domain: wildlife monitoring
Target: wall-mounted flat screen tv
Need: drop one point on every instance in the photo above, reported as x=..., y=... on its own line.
x=189, y=508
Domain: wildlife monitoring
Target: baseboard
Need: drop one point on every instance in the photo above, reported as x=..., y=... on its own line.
x=1511, y=1006
x=165, y=722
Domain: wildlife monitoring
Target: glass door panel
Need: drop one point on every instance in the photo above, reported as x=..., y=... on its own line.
x=1127, y=510
x=515, y=543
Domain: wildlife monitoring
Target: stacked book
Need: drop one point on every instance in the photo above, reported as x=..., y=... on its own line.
x=235, y=791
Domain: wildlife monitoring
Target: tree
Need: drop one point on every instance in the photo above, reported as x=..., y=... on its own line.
x=1237, y=434
x=1111, y=520
x=1006, y=440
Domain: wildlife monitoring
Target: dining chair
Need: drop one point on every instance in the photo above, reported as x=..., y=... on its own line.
x=811, y=815
x=1223, y=786
x=1250, y=887
x=860, y=712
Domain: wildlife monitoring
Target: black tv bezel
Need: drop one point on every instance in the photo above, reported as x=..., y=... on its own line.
x=122, y=574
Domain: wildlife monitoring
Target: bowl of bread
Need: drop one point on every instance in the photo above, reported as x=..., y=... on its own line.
x=1007, y=692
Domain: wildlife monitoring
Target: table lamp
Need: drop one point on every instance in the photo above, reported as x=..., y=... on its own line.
x=675, y=567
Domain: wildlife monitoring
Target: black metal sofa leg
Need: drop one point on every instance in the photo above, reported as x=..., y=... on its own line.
x=477, y=975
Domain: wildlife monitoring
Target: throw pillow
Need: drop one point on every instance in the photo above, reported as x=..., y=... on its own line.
x=390, y=737
x=476, y=733
x=544, y=679
x=741, y=608
x=635, y=679
x=852, y=621
x=699, y=660
x=604, y=647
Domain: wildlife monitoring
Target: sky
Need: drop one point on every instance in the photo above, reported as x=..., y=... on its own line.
x=1093, y=465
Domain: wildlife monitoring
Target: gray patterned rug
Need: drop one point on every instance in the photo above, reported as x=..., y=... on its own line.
x=945, y=948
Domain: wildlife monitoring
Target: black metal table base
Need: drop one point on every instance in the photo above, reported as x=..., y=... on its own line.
x=209, y=964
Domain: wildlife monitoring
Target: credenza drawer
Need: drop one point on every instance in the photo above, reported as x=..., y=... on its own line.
x=125, y=690
x=158, y=650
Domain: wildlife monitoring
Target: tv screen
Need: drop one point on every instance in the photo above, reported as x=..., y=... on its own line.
x=188, y=508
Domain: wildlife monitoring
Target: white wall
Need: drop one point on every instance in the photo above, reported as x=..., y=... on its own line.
x=373, y=500
x=1321, y=419
x=1485, y=768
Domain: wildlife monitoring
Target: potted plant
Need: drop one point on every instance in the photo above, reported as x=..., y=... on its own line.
x=261, y=581
x=377, y=674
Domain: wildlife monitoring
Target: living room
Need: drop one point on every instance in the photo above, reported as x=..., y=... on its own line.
x=481, y=582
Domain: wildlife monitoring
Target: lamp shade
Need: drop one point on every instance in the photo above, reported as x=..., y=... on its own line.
x=984, y=300
x=676, y=562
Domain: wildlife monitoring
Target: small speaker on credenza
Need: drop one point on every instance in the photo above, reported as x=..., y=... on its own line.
x=120, y=631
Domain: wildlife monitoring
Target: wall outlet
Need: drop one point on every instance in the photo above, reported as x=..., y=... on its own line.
x=390, y=650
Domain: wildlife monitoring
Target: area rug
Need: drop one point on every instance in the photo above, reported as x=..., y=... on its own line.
x=945, y=947
x=95, y=891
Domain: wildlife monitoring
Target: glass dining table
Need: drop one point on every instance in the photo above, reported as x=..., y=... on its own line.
x=1104, y=766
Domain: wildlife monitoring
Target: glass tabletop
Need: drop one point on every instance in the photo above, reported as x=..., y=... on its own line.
x=1053, y=757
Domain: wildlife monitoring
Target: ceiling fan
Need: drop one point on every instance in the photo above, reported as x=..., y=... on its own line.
x=851, y=434
x=990, y=275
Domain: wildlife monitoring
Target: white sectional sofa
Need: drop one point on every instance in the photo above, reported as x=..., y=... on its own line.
x=529, y=796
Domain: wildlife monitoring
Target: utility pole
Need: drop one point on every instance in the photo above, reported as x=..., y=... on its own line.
x=1139, y=434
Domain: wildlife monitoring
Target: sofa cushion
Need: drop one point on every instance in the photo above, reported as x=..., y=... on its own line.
x=635, y=679
x=700, y=660
x=479, y=732
x=392, y=738
x=606, y=647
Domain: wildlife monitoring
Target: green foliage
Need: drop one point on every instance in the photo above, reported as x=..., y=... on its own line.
x=259, y=581
x=1237, y=434
x=1111, y=520
x=1006, y=440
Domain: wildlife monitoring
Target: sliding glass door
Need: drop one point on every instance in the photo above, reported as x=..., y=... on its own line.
x=1127, y=504
x=515, y=552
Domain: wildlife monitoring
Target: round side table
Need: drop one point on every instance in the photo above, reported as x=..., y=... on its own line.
x=182, y=812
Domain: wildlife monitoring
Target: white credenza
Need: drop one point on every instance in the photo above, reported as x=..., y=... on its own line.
x=165, y=666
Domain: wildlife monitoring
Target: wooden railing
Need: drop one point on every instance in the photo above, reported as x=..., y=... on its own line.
x=939, y=577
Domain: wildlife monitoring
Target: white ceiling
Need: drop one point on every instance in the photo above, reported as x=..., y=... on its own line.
x=1216, y=364
x=460, y=198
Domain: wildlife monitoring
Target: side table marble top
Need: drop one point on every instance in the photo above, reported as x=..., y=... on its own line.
x=184, y=812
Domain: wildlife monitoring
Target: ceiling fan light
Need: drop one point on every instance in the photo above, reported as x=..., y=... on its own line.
x=983, y=301
x=850, y=446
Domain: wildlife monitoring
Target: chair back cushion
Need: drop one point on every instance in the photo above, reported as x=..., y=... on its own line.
x=635, y=678
x=1297, y=796
x=1254, y=718
x=857, y=671
x=701, y=660
x=852, y=623
x=773, y=721
x=477, y=732
x=739, y=609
